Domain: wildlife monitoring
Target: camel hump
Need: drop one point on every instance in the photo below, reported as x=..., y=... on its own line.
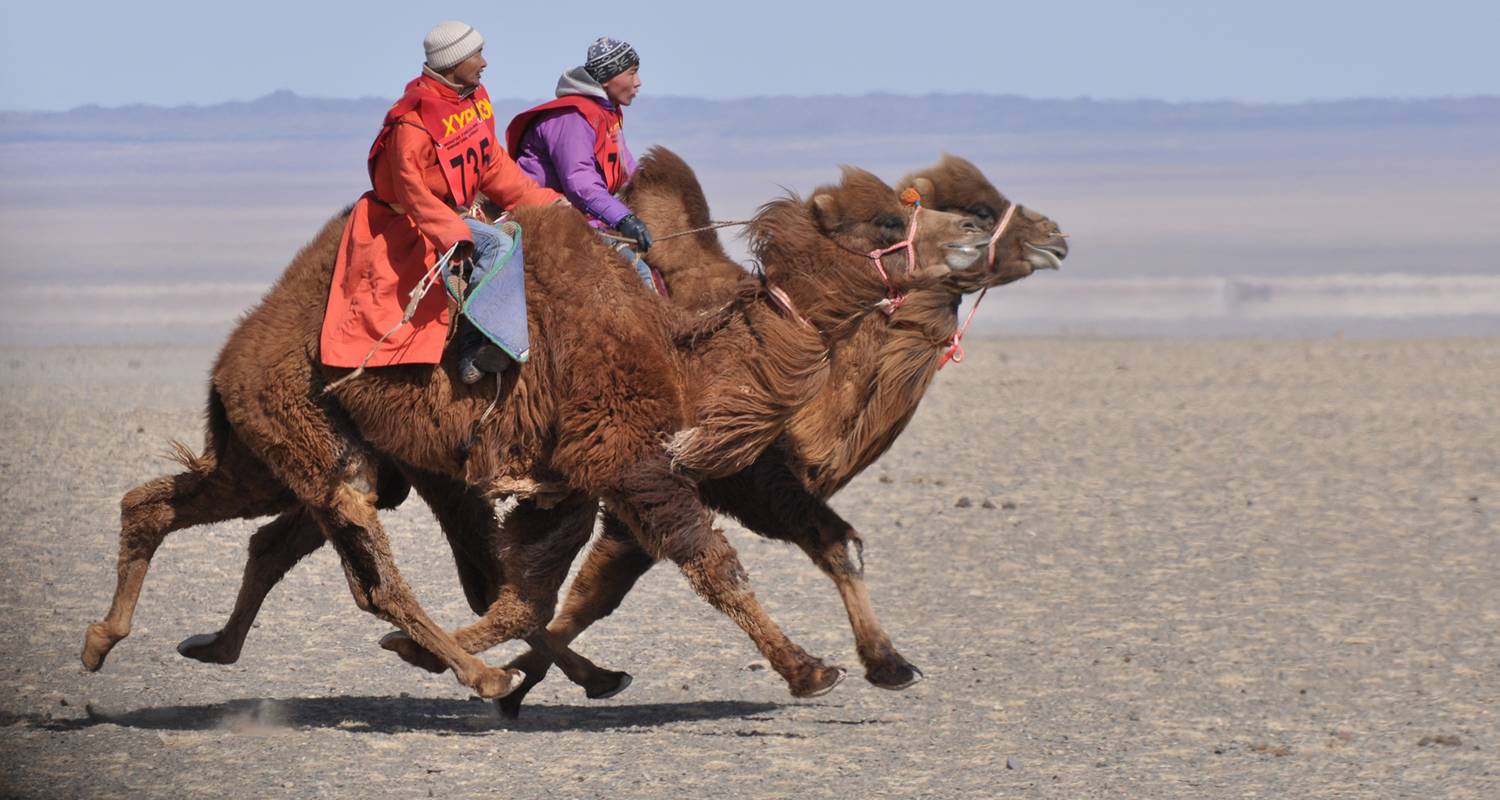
x=663, y=173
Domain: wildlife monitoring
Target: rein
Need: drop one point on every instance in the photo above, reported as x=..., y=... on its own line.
x=955, y=352
x=709, y=227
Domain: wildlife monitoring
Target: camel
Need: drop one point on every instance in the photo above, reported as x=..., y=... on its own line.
x=624, y=402
x=879, y=376
x=702, y=275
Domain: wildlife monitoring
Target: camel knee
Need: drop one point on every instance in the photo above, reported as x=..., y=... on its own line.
x=353, y=505
x=509, y=617
x=715, y=570
x=146, y=515
x=842, y=559
x=376, y=599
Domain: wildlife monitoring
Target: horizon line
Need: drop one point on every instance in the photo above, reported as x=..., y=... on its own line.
x=998, y=96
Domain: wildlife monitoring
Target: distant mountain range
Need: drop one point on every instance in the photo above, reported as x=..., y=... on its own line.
x=285, y=115
x=148, y=195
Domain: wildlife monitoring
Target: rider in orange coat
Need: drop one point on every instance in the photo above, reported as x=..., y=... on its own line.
x=399, y=230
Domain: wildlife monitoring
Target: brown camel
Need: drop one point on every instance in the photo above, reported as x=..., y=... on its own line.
x=670, y=199
x=615, y=374
x=879, y=376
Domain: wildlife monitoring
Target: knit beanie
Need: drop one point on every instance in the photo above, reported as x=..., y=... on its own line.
x=608, y=58
x=449, y=43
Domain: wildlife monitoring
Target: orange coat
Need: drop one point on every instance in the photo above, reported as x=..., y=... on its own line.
x=384, y=253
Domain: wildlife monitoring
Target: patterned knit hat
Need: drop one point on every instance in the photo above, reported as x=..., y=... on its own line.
x=608, y=58
x=449, y=43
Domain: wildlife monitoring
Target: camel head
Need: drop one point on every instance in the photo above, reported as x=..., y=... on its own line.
x=1030, y=241
x=821, y=249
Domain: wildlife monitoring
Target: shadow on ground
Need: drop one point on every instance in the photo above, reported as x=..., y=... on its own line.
x=397, y=715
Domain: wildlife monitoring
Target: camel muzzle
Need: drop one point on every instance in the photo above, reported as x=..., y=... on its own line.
x=1048, y=254
x=962, y=255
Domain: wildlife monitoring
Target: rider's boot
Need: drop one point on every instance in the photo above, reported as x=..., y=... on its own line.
x=477, y=355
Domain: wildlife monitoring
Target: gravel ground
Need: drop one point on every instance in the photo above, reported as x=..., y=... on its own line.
x=1148, y=568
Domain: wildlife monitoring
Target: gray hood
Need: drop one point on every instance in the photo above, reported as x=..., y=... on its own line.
x=578, y=81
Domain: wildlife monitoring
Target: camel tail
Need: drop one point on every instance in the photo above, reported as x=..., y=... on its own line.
x=184, y=455
x=216, y=436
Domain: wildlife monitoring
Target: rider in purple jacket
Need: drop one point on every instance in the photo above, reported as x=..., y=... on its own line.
x=558, y=150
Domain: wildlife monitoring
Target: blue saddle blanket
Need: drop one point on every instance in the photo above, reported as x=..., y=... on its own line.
x=496, y=299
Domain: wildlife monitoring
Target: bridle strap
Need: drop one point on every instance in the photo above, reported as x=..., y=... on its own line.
x=999, y=230
x=784, y=300
x=894, y=299
x=955, y=352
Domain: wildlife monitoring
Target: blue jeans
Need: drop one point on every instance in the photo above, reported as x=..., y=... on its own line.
x=489, y=243
x=641, y=267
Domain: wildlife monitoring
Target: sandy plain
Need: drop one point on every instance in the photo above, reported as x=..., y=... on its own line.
x=1130, y=568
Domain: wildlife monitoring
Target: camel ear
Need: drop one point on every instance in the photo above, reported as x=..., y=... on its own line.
x=826, y=207
x=925, y=188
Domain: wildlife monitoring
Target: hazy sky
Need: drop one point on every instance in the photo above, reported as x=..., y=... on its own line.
x=56, y=55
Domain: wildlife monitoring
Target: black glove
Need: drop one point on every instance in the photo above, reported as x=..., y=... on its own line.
x=632, y=228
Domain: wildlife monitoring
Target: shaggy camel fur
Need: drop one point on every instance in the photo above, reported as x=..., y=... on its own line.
x=587, y=415
x=879, y=376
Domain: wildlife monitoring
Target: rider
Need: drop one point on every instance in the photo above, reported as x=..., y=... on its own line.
x=575, y=144
x=436, y=151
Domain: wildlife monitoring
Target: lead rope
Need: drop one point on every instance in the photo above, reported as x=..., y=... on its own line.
x=417, y=293
x=955, y=351
x=709, y=227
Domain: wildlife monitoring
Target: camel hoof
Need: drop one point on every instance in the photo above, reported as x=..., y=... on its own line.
x=895, y=677
x=208, y=648
x=412, y=653
x=495, y=684
x=619, y=682
x=96, y=646
x=827, y=678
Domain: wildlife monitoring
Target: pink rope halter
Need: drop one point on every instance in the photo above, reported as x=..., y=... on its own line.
x=784, y=300
x=894, y=299
x=955, y=351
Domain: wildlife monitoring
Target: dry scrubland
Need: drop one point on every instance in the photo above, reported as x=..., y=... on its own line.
x=1146, y=568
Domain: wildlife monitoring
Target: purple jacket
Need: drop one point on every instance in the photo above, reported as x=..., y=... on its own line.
x=558, y=153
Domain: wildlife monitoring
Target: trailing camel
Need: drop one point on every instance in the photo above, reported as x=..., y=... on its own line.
x=624, y=401
x=878, y=377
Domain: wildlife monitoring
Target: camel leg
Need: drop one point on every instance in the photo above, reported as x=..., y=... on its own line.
x=598, y=683
x=468, y=521
x=613, y=564
x=274, y=550
x=773, y=502
x=210, y=491
x=510, y=613
x=839, y=552
x=278, y=546
x=664, y=510
x=538, y=546
x=349, y=523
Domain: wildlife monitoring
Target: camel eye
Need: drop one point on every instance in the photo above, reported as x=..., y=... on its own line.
x=984, y=213
x=891, y=225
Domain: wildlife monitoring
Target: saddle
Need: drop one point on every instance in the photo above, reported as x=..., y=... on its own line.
x=495, y=303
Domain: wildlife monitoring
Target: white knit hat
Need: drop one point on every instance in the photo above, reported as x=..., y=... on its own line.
x=449, y=43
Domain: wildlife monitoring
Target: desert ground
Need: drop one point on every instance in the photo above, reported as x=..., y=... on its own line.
x=1129, y=568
